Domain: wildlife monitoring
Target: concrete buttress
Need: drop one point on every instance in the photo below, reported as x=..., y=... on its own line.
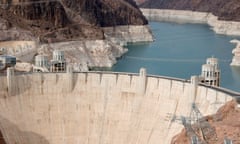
x=10, y=80
x=142, y=81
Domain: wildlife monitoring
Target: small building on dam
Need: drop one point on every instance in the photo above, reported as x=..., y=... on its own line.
x=99, y=107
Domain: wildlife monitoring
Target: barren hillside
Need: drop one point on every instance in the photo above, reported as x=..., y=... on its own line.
x=52, y=20
x=225, y=10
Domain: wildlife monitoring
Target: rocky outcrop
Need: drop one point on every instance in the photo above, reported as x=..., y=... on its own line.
x=224, y=10
x=219, y=26
x=53, y=21
x=236, y=53
x=81, y=54
x=82, y=28
x=46, y=22
x=86, y=54
x=4, y=24
x=107, y=13
x=128, y=34
x=7, y=32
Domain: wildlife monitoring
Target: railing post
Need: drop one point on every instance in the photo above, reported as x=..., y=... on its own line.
x=69, y=78
x=142, y=81
x=10, y=80
x=193, y=91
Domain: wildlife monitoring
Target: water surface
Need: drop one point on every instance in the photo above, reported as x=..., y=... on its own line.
x=179, y=50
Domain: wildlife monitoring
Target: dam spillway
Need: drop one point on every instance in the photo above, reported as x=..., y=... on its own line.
x=98, y=107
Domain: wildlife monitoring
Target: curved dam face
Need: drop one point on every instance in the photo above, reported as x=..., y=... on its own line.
x=103, y=108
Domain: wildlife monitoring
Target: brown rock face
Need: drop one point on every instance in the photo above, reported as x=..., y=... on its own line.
x=52, y=21
x=51, y=13
x=225, y=10
x=107, y=12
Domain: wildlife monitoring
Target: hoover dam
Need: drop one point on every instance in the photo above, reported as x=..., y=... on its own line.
x=99, y=107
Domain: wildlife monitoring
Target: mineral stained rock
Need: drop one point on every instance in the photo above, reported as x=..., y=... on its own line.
x=54, y=21
x=225, y=10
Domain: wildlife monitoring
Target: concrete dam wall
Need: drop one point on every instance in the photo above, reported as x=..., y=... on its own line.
x=98, y=107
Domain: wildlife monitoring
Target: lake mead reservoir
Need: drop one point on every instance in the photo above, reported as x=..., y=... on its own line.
x=179, y=50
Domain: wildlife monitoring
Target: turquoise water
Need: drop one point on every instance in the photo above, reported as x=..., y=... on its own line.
x=179, y=50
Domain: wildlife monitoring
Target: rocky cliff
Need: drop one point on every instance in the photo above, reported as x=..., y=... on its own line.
x=90, y=32
x=53, y=21
x=225, y=10
x=107, y=12
x=186, y=16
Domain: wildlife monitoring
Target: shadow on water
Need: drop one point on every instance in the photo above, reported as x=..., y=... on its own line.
x=11, y=134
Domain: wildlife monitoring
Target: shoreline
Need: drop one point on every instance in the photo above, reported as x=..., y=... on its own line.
x=122, y=35
x=184, y=16
x=87, y=53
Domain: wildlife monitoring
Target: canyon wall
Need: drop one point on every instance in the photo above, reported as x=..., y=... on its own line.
x=219, y=26
x=99, y=107
x=128, y=34
x=55, y=21
x=224, y=10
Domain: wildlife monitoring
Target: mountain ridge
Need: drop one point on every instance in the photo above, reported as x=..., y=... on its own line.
x=54, y=21
x=225, y=10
